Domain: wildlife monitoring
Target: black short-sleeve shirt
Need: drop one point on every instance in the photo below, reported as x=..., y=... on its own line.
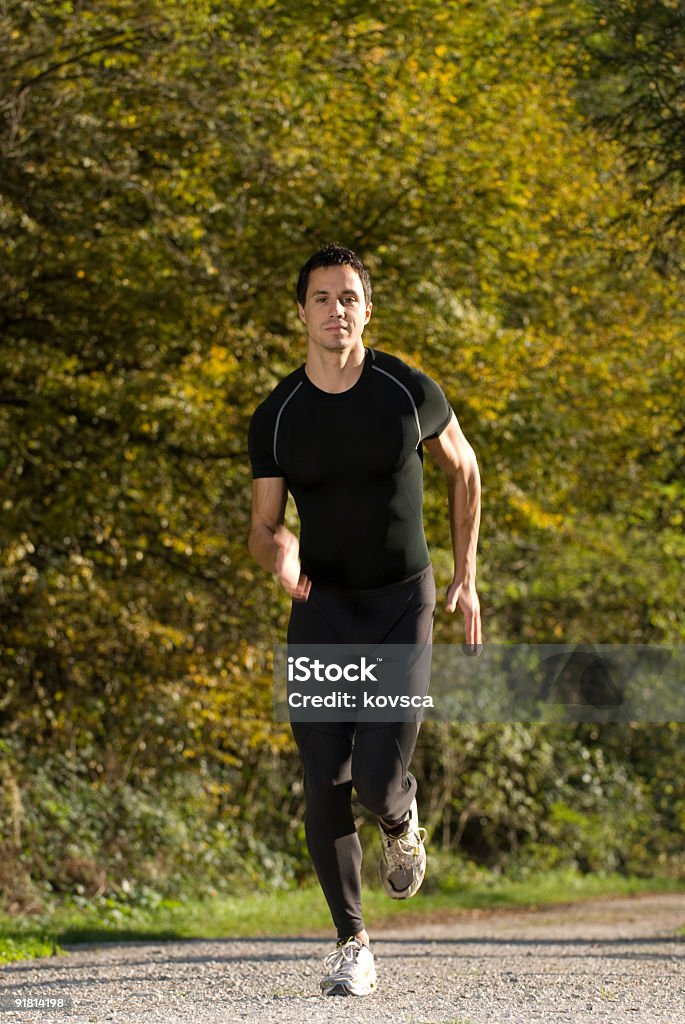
x=353, y=463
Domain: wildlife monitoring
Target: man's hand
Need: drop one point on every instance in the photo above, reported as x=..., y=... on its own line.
x=464, y=597
x=288, y=564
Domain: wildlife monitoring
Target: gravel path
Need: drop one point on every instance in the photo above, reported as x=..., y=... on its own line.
x=612, y=960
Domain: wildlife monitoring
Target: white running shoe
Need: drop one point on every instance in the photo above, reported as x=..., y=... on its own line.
x=351, y=970
x=403, y=858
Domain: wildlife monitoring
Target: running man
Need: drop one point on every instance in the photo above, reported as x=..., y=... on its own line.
x=344, y=434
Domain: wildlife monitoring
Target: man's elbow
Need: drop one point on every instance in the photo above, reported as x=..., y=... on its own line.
x=472, y=462
x=465, y=475
x=462, y=465
x=251, y=542
x=259, y=535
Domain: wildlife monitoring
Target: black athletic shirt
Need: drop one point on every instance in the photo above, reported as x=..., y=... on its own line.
x=353, y=463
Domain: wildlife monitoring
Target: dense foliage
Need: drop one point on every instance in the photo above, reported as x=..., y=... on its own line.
x=164, y=170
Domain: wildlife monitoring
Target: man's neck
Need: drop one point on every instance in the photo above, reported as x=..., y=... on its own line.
x=335, y=371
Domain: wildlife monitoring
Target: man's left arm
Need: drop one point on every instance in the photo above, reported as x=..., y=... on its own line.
x=456, y=458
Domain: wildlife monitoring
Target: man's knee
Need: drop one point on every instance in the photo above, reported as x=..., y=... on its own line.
x=378, y=792
x=324, y=793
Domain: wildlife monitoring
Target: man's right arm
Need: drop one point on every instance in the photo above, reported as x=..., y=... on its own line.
x=270, y=543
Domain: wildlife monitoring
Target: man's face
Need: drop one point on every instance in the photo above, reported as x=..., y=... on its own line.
x=335, y=310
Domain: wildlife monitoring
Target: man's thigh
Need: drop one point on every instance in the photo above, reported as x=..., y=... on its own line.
x=326, y=750
x=377, y=746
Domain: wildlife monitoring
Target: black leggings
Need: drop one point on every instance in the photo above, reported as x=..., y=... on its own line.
x=371, y=757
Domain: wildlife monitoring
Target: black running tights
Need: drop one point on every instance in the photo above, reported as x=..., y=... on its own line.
x=370, y=757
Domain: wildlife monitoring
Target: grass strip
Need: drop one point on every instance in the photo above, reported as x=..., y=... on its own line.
x=297, y=912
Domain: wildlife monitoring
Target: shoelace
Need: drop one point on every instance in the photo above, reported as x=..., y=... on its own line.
x=399, y=849
x=342, y=959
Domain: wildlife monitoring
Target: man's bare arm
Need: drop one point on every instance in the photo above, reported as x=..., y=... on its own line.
x=270, y=543
x=456, y=458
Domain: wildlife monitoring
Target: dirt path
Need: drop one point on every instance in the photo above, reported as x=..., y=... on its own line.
x=611, y=960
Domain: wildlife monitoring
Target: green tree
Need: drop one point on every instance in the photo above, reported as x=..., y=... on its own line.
x=163, y=172
x=634, y=89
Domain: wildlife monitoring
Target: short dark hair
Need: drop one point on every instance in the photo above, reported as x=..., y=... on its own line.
x=332, y=255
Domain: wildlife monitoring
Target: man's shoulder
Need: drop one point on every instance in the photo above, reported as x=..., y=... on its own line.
x=430, y=404
x=280, y=393
x=387, y=361
x=408, y=375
